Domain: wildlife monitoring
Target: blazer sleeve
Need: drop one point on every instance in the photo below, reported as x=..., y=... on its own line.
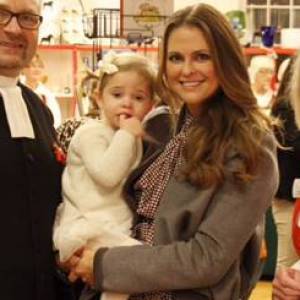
x=230, y=219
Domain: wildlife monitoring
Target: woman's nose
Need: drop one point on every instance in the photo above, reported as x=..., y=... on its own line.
x=187, y=68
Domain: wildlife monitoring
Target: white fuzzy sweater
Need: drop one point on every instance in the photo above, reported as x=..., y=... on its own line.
x=93, y=210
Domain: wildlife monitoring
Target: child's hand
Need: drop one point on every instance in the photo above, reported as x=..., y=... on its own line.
x=132, y=125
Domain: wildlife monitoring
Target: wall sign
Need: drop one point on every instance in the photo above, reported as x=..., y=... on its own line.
x=146, y=16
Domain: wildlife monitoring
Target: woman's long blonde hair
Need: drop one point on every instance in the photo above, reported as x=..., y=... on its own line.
x=232, y=120
x=295, y=89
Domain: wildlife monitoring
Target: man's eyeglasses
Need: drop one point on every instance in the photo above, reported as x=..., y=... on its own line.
x=25, y=20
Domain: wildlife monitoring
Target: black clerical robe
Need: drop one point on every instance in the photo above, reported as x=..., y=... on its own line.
x=30, y=187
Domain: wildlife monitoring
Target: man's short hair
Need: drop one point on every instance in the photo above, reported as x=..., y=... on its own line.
x=39, y=3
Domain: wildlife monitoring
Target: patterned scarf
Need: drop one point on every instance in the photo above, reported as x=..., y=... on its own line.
x=153, y=184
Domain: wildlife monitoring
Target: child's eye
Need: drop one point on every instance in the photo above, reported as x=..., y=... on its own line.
x=140, y=98
x=117, y=95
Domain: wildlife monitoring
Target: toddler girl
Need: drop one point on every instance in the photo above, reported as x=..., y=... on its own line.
x=101, y=156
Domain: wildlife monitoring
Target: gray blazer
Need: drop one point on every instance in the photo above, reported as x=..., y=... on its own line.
x=205, y=245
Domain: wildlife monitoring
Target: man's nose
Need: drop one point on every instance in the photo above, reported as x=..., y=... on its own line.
x=13, y=26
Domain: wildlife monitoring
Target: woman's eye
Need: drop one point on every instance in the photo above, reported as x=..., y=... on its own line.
x=175, y=58
x=203, y=57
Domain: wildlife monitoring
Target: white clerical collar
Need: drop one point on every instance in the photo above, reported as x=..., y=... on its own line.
x=8, y=81
x=15, y=107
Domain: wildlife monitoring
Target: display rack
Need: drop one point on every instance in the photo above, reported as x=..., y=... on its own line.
x=111, y=26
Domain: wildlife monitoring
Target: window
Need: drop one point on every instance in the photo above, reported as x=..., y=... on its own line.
x=280, y=17
x=280, y=13
x=280, y=2
x=259, y=2
x=259, y=17
x=297, y=18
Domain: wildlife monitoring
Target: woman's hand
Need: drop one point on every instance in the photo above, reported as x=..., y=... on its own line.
x=70, y=264
x=286, y=284
x=84, y=268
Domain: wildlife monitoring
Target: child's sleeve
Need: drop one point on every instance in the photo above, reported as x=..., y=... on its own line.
x=107, y=160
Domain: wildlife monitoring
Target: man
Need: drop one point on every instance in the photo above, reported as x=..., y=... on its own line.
x=29, y=171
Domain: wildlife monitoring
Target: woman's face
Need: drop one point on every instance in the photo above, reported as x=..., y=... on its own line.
x=264, y=77
x=190, y=70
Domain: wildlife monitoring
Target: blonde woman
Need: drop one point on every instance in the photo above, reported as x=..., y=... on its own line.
x=286, y=284
x=283, y=204
x=295, y=89
x=262, y=71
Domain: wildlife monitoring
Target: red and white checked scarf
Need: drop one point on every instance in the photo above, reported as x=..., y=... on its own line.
x=152, y=184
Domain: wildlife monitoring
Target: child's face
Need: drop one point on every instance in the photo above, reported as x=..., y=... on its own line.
x=126, y=93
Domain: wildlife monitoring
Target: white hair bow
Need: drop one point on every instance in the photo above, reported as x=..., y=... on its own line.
x=106, y=65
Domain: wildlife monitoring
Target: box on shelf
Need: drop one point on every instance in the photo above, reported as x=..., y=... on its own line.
x=290, y=37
